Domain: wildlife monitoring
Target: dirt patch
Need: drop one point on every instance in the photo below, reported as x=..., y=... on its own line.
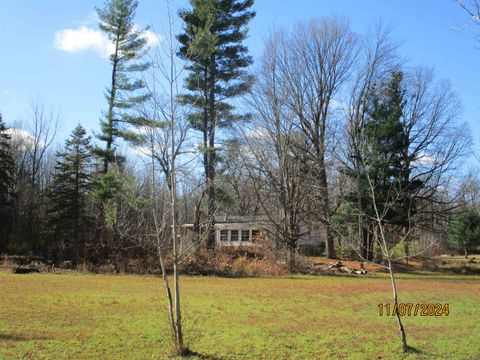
x=16, y=337
x=370, y=267
x=416, y=265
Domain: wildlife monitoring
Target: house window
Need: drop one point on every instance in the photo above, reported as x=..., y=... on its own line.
x=255, y=233
x=245, y=235
x=223, y=235
x=233, y=235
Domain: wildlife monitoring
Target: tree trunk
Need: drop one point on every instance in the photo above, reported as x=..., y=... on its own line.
x=466, y=252
x=364, y=242
x=177, y=322
x=362, y=233
x=178, y=314
x=330, y=244
x=325, y=203
x=406, y=251
x=212, y=158
x=291, y=261
x=370, y=245
x=111, y=104
x=167, y=290
x=401, y=329
x=211, y=211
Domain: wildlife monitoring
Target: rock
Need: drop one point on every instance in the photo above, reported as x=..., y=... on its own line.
x=66, y=265
x=25, y=269
x=337, y=265
x=361, y=272
x=25, y=260
x=347, y=270
x=332, y=268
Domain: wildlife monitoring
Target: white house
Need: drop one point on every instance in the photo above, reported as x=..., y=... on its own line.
x=239, y=230
x=254, y=230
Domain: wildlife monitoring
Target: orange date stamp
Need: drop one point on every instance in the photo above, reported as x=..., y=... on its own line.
x=411, y=309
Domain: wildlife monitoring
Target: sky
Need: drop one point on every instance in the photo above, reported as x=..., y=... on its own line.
x=52, y=49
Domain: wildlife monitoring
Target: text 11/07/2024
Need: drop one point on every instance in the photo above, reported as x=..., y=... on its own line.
x=410, y=309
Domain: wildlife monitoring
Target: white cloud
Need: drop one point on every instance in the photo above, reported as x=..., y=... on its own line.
x=258, y=133
x=19, y=134
x=141, y=151
x=83, y=38
x=152, y=38
x=425, y=159
x=21, y=138
x=91, y=19
x=87, y=38
x=337, y=105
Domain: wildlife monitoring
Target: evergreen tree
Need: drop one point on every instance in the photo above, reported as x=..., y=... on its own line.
x=382, y=157
x=68, y=216
x=7, y=171
x=385, y=142
x=7, y=166
x=212, y=43
x=389, y=160
x=464, y=230
x=124, y=92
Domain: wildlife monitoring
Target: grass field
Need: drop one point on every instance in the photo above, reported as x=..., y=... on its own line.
x=46, y=316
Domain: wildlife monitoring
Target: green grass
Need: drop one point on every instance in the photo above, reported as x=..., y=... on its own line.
x=74, y=316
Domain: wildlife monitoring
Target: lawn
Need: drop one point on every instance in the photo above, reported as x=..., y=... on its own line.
x=74, y=316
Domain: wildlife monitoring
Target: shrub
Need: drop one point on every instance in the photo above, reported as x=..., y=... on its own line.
x=346, y=252
x=464, y=230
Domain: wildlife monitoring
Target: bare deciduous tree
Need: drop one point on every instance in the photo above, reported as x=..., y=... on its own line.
x=388, y=243
x=166, y=139
x=315, y=61
x=275, y=163
x=34, y=165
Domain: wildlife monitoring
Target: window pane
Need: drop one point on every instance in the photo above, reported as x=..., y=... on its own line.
x=233, y=235
x=223, y=235
x=245, y=235
x=255, y=233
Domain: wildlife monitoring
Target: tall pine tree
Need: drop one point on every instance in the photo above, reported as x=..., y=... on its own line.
x=389, y=159
x=124, y=92
x=214, y=31
x=380, y=158
x=385, y=139
x=7, y=173
x=68, y=216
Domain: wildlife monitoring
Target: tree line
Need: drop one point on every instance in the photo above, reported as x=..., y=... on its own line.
x=326, y=115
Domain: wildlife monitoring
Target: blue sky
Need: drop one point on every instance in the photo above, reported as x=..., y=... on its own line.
x=36, y=62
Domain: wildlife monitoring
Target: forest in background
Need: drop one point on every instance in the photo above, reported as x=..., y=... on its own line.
x=329, y=126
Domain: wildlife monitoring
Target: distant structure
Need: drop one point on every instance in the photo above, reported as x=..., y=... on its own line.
x=231, y=230
x=238, y=230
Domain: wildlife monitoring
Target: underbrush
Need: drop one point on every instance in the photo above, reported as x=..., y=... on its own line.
x=235, y=262
x=229, y=262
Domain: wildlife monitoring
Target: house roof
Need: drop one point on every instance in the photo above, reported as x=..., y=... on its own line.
x=226, y=219
x=236, y=219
